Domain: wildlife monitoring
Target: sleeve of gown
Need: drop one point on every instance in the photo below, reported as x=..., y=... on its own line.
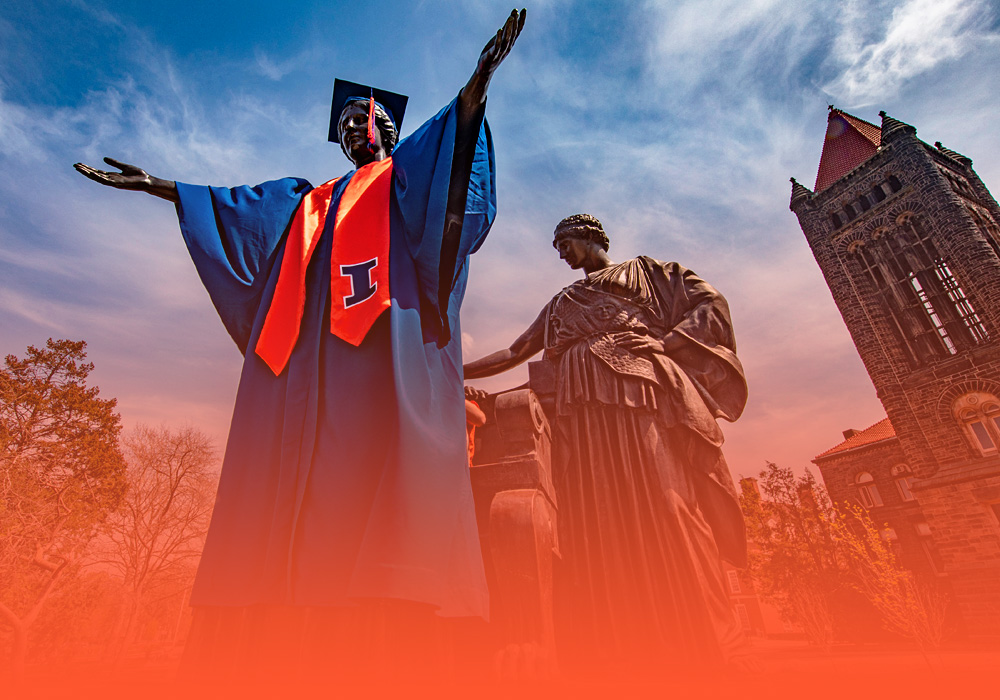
x=422, y=167
x=233, y=236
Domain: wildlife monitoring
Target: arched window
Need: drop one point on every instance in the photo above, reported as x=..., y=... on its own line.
x=904, y=480
x=867, y=490
x=979, y=415
x=928, y=309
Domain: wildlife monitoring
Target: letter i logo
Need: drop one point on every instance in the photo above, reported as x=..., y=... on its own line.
x=362, y=286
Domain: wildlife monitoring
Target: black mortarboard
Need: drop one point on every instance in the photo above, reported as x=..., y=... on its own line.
x=344, y=91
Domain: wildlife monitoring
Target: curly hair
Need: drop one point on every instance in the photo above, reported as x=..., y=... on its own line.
x=383, y=123
x=582, y=226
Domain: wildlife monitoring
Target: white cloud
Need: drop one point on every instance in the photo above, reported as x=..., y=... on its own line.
x=694, y=29
x=722, y=102
x=277, y=68
x=268, y=67
x=920, y=35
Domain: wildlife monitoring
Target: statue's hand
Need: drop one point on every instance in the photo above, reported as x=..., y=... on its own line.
x=499, y=46
x=639, y=343
x=474, y=394
x=130, y=177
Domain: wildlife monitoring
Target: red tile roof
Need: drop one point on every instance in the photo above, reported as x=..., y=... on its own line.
x=849, y=143
x=882, y=430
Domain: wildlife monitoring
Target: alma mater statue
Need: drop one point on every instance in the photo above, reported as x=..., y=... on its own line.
x=645, y=363
x=344, y=299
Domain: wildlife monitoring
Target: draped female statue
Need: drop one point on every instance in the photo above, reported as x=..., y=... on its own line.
x=646, y=363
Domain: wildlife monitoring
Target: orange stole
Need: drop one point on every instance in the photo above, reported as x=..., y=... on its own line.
x=360, y=257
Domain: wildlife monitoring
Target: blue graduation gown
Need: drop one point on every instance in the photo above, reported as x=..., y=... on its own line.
x=346, y=476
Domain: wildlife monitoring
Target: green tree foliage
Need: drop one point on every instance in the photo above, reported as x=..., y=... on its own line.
x=61, y=474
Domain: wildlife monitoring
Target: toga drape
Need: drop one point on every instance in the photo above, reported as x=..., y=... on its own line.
x=647, y=508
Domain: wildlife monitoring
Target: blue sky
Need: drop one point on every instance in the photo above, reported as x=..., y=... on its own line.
x=678, y=124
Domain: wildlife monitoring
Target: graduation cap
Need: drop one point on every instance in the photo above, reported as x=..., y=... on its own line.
x=344, y=91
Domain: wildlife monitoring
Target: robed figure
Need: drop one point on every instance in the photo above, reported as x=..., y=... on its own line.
x=646, y=363
x=345, y=478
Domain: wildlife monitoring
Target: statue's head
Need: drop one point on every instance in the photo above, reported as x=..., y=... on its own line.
x=352, y=131
x=580, y=239
x=349, y=120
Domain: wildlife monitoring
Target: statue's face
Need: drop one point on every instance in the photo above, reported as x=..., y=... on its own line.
x=575, y=251
x=353, y=128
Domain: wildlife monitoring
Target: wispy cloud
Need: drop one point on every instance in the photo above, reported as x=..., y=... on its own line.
x=677, y=123
x=277, y=68
x=877, y=57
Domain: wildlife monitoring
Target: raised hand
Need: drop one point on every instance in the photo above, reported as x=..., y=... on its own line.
x=131, y=177
x=495, y=51
x=499, y=46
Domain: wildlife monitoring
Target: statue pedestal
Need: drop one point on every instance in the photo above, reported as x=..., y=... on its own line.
x=516, y=512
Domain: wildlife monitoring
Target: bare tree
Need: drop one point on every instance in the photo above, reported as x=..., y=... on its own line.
x=155, y=538
x=61, y=473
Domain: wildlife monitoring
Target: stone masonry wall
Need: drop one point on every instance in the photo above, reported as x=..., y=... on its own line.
x=967, y=535
x=917, y=400
x=956, y=486
x=839, y=472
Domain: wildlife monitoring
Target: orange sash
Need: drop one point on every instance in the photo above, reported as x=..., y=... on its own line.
x=359, y=280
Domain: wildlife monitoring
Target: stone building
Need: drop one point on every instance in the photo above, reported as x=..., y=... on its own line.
x=906, y=237
x=870, y=468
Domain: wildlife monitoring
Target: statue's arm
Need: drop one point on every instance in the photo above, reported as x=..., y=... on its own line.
x=471, y=107
x=130, y=178
x=473, y=96
x=531, y=342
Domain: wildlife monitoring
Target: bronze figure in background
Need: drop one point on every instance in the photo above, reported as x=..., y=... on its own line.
x=645, y=364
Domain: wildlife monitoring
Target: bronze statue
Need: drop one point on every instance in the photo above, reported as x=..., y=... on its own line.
x=345, y=481
x=353, y=123
x=645, y=363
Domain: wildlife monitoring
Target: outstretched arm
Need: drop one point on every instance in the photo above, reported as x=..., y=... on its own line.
x=531, y=342
x=130, y=178
x=473, y=95
x=470, y=110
